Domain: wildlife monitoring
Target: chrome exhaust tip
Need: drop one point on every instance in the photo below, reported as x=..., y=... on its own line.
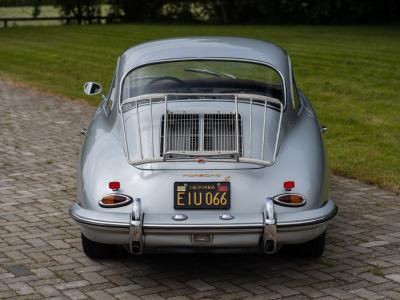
x=269, y=247
x=136, y=248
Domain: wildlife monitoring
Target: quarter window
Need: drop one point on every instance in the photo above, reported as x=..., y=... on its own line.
x=296, y=98
x=111, y=97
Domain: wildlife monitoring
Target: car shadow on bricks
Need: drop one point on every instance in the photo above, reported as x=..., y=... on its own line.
x=217, y=262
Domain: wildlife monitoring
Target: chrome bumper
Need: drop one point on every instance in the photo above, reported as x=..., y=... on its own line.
x=273, y=228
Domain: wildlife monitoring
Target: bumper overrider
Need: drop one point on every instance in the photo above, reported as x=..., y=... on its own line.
x=140, y=231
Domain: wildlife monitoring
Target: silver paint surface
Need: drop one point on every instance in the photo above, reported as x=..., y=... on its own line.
x=301, y=157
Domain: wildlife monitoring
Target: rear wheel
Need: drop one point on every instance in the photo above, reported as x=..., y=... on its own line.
x=96, y=250
x=313, y=248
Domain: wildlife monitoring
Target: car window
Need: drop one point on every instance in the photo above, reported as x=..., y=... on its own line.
x=296, y=98
x=111, y=95
x=204, y=76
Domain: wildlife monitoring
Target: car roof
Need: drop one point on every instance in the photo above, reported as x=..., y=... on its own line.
x=209, y=47
x=203, y=48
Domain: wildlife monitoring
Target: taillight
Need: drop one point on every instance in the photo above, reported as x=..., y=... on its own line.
x=115, y=200
x=114, y=185
x=288, y=185
x=290, y=200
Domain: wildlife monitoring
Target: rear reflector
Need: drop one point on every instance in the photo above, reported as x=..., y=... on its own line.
x=290, y=200
x=115, y=200
x=288, y=185
x=114, y=185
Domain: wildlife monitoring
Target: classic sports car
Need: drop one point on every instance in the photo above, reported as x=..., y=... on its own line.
x=203, y=144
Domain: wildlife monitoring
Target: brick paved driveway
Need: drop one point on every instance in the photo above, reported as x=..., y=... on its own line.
x=40, y=251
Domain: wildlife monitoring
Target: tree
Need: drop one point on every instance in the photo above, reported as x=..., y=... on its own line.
x=81, y=10
x=36, y=8
x=137, y=10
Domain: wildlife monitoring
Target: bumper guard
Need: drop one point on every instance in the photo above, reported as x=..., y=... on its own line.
x=136, y=228
x=269, y=233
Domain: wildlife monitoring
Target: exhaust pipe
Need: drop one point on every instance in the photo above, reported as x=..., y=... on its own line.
x=269, y=247
x=136, y=248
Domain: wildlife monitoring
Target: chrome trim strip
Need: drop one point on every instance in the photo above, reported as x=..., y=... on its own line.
x=251, y=127
x=125, y=225
x=139, y=131
x=238, y=96
x=202, y=230
x=97, y=223
x=203, y=226
x=310, y=222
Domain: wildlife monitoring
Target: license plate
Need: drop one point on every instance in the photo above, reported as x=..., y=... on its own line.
x=202, y=195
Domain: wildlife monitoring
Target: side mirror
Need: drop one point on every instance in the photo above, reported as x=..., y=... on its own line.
x=92, y=88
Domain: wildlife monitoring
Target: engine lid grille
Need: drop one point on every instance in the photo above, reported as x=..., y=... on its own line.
x=205, y=134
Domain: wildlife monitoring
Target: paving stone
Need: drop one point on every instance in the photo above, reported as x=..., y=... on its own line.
x=18, y=270
x=47, y=291
x=43, y=273
x=94, y=278
x=74, y=294
x=338, y=293
x=283, y=290
x=41, y=254
x=200, y=285
x=100, y=295
x=374, y=244
x=22, y=288
x=394, y=277
x=364, y=293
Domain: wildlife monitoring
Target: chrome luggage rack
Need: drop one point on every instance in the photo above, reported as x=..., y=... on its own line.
x=187, y=136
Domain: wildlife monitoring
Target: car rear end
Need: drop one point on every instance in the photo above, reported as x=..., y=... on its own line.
x=205, y=169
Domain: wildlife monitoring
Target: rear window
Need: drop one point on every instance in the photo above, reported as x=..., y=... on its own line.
x=203, y=76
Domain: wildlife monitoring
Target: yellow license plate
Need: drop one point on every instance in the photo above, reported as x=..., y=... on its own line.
x=202, y=195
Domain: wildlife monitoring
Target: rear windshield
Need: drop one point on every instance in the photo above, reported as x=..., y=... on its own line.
x=203, y=76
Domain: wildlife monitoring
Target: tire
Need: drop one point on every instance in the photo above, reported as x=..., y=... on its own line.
x=96, y=250
x=313, y=248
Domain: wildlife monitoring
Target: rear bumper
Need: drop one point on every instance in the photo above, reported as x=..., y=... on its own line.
x=245, y=230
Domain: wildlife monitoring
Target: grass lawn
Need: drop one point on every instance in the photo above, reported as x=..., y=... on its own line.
x=351, y=74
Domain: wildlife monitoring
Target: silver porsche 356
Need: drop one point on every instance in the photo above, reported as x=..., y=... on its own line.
x=203, y=144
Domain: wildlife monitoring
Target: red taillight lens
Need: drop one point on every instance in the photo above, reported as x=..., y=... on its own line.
x=290, y=200
x=114, y=185
x=115, y=200
x=288, y=185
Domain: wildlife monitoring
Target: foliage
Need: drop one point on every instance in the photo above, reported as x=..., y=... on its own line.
x=305, y=11
x=79, y=9
x=13, y=3
x=234, y=11
x=261, y=11
x=36, y=8
x=139, y=11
